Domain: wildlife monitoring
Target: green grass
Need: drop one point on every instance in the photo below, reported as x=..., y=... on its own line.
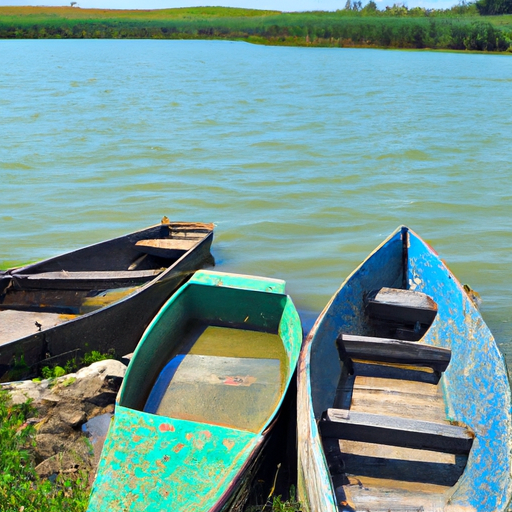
x=21, y=489
x=504, y=21
x=278, y=504
x=290, y=505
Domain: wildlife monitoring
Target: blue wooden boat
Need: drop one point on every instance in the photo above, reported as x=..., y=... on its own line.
x=404, y=401
x=200, y=397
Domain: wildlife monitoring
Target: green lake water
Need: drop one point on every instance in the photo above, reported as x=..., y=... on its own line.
x=305, y=159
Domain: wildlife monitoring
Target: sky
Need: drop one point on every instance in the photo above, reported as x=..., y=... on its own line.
x=279, y=5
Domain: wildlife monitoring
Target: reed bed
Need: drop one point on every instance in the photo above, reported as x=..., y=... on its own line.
x=395, y=28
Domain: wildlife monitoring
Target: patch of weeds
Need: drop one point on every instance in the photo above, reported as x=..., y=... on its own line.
x=94, y=356
x=19, y=369
x=52, y=372
x=20, y=486
x=278, y=504
x=71, y=366
x=47, y=372
x=68, y=382
x=289, y=505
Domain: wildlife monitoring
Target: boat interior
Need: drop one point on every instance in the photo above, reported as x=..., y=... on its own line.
x=386, y=437
x=214, y=357
x=45, y=294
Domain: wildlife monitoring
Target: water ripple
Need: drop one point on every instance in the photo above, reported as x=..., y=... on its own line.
x=304, y=158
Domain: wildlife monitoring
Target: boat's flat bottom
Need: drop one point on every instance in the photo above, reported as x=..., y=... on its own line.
x=18, y=324
x=402, y=398
x=225, y=376
x=381, y=495
x=385, y=478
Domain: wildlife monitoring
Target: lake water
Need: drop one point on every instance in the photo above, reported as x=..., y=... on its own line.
x=305, y=159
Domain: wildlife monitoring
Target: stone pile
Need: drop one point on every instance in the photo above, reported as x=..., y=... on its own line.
x=67, y=411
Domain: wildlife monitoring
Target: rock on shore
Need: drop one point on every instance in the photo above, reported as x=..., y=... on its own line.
x=67, y=441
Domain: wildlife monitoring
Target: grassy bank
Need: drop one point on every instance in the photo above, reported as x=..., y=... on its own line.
x=20, y=486
x=397, y=27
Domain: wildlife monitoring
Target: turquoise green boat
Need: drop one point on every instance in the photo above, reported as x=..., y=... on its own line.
x=200, y=397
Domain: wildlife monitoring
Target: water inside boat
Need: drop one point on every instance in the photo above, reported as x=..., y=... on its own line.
x=222, y=376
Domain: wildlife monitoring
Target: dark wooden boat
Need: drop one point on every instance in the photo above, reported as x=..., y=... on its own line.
x=404, y=401
x=100, y=297
x=200, y=397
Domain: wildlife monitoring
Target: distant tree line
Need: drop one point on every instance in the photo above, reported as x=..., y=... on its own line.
x=494, y=7
x=482, y=7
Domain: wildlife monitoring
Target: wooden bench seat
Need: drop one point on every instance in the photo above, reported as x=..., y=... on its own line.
x=389, y=350
x=84, y=280
x=402, y=306
x=395, y=431
x=167, y=247
x=394, y=371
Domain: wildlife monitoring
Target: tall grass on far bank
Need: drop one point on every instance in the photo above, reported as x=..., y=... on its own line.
x=21, y=489
x=397, y=27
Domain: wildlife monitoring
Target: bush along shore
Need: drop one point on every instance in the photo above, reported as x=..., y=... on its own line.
x=463, y=27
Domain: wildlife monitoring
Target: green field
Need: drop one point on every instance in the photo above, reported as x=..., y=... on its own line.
x=459, y=28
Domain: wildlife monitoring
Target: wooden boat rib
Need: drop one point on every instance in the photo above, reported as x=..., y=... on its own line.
x=404, y=401
x=100, y=297
x=200, y=397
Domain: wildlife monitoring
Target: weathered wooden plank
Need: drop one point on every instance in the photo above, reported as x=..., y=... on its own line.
x=93, y=280
x=166, y=247
x=390, y=430
x=393, y=463
x=398, y=387
x=404, y=405
x=190, y=227
x=395, y=351
x=396, y=371
x=409, y=399
x=50, y=301
x=98, y=275
x=405, y=306
x=386, y=495
x=382, y=451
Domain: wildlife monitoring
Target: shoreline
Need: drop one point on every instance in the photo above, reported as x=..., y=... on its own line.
x=438, y=31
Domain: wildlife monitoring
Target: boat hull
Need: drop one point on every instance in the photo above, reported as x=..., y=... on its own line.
x=117, y=326
x=476, y=367
x=201, y=457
